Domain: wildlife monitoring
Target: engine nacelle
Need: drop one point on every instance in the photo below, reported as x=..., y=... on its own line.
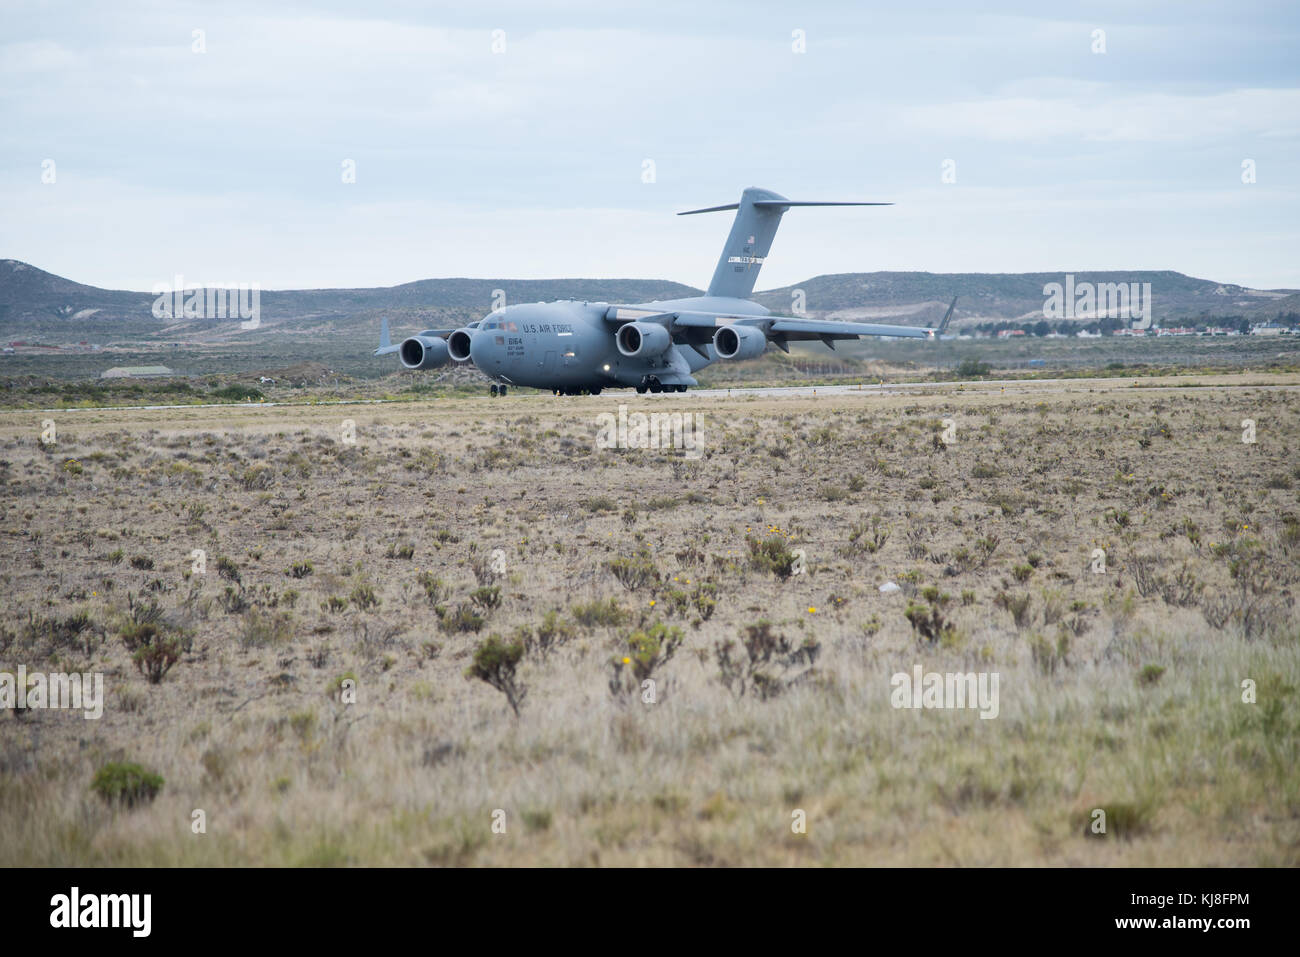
x=458, y=345
x=636, y=340
x=739, y=342
x=423, y=352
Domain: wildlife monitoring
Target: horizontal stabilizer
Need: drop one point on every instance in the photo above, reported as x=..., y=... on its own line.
x=784, y=203
x=796, y=202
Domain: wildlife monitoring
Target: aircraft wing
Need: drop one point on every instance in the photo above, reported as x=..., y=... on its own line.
x=818, y=328
x=794, y=328
x=779, y=329
x=828, y=329
x=386, y=346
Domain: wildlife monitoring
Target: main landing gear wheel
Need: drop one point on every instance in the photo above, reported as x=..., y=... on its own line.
x=655, y=385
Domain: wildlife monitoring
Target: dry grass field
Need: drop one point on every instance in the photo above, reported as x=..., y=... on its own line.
x=1154, y=680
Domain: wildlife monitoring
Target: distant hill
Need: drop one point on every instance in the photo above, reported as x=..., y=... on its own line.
x=40, y=306
x=922, y=297
x=33, y=296
x=35, y=304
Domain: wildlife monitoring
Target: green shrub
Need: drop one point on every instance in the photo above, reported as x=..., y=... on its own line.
x=637, y=571
x=607, y=613
x=364, y=597
x=496, y=663
x=126, y=784
x=334, y=603
x=769, y=657
x=262, y=628
x=771, y=554
x=705, y=599
x=154, y=645
x=434, y=590
x=257, y=478
x=461, y=618
x=227, y=569
x=868, y=535
x=1018, y=605
x=1150, y=674
x=404, y=550
x=928, y=620
x=488, y=598
x=238, y=393
x=552, y=632
x=647, y=650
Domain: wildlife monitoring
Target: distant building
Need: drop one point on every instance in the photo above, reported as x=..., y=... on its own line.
x=135, y=372
x=1269, y=329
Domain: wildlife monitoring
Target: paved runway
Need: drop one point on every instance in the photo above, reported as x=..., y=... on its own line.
x=1022, y=386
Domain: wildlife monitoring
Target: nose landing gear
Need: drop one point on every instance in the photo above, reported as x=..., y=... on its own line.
x=497, y=390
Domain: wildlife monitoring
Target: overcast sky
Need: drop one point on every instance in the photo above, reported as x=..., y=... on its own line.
x=528, y=161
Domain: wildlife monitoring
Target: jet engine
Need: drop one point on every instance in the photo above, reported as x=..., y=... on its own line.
x=739, y=342
x=636, y=340
x=458, y=344
x=423, y=352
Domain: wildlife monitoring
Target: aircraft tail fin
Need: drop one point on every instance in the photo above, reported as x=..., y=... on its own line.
x=758, y=214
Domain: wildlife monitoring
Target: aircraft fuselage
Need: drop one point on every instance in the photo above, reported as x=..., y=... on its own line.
x=571, y=345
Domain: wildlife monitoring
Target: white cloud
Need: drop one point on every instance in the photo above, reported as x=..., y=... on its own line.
x=1113, y=116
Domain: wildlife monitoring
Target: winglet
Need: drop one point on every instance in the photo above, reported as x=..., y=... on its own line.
x=947, y=317
x=385, y=343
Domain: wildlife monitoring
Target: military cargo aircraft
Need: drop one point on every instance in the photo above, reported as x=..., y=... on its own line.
x=580, y=348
